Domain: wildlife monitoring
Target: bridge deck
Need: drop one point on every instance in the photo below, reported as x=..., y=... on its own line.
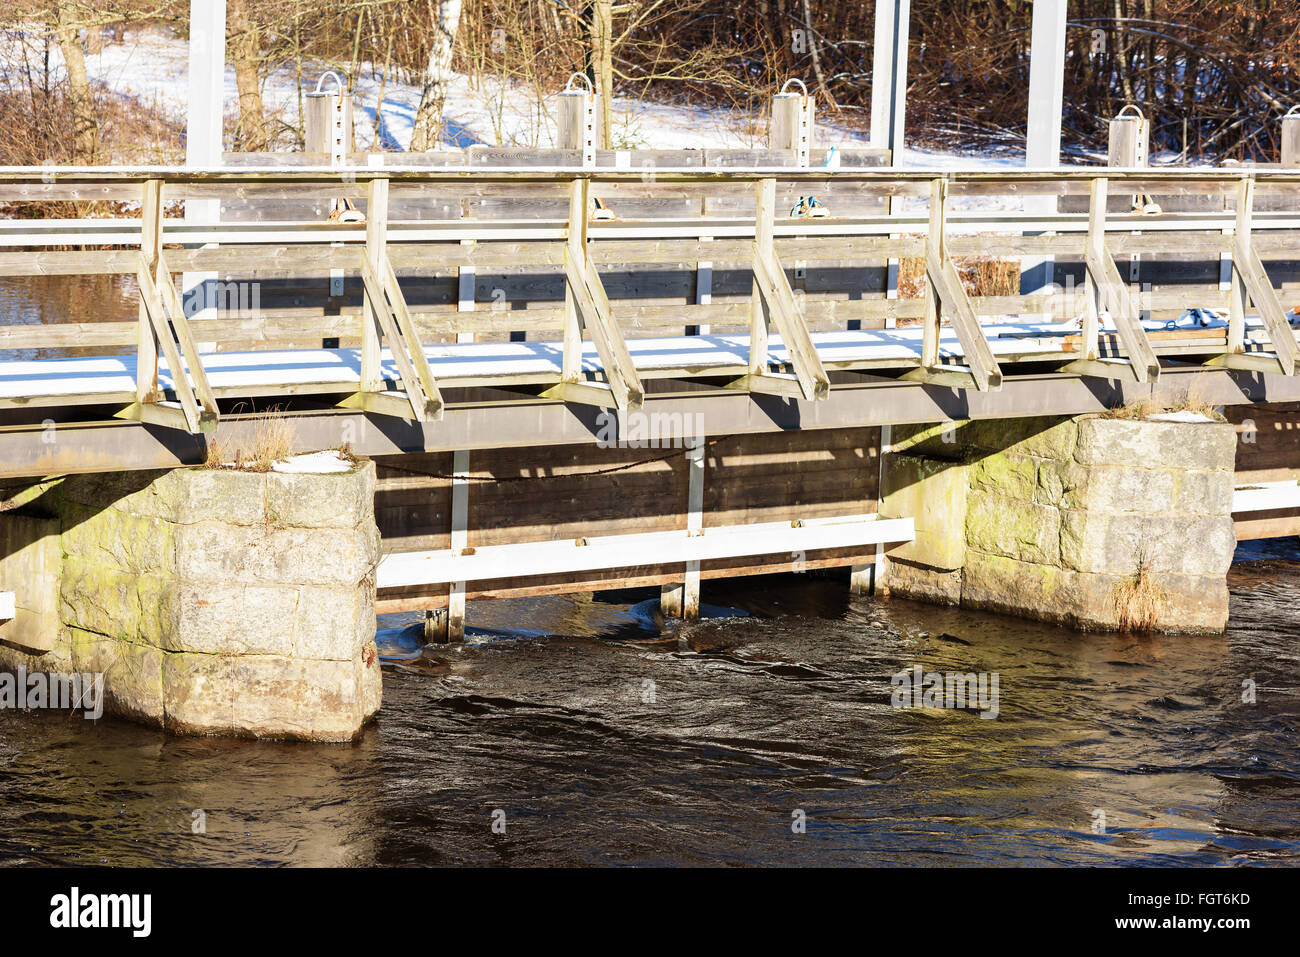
x=111, y=379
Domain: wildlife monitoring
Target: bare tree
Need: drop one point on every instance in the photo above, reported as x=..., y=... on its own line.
x=245, y=52
x=445, y=15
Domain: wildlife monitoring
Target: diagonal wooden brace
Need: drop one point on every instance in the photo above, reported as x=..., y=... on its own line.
x=1106, y=292
x=1248, y=266
x=593, y=315
x=1115, y=299
x=389, y=308
x=781, y=307
x=1250, y=283
x=166, y=316
x=947, y=296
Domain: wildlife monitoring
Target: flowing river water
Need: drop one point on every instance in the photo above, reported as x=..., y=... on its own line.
x=597, y=738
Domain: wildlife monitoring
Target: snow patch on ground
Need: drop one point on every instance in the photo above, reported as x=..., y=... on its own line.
x=1183, y=415
x=314, y=463
x=152, y=66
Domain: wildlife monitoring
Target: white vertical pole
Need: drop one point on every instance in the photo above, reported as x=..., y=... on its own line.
x=1043, y=135
x=889, y=77
x=459, y=542
x=203, y=135
x=889, y=103
x=694, y=526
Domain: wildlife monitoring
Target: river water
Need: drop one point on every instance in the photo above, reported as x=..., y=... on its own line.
x=595, y=738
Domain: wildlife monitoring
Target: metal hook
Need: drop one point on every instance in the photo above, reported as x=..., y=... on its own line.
x=786, y=85
x=586, y=81
x=337, y=82
x=1134, y=108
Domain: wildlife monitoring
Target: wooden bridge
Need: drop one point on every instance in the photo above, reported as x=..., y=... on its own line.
x=486, y=309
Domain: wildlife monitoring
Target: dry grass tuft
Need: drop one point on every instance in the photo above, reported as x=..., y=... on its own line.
x=1137, y=409
x=1190, y=401
x=1138, y=600
x=273, y=440
x=220, y=451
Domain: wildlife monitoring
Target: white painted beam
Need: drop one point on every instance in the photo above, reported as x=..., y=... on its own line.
x=7, y=606
x=651, y=548
x=1265, y=497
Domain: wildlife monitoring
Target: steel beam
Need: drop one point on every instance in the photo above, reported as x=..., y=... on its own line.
x=28, y=451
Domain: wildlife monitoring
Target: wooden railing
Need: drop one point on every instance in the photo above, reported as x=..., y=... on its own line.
x=431, y=220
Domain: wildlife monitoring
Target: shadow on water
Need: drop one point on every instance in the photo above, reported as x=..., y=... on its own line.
x=607, y=735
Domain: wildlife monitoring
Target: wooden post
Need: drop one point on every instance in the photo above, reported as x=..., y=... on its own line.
x=791, y=129
x=1290, y=153
x=147, y=343
x=571, y=364
x=1237, y=303
x=792, y=125
x=1098, y=192
x=576, y=123
x=376, y=238
x=327, y=124
x=935, y=246
x=703, y=289
x=1129, y=136
x=759, y=314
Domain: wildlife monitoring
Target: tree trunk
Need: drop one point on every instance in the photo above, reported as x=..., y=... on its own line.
x=81, y=102
x=605, y=68
x=246, y=54
x=437, y=75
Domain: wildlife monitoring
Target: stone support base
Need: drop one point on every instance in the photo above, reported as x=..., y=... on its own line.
x=213, y=602
x=1053, y=519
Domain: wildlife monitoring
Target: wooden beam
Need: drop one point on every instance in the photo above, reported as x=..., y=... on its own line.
x=156, y=314
x=575, y=248
x=410, y=340
x=593, y=311
x=180, y=323
x=1247, y=264
x=393, y=404
x=382, y=310
x=371, y=330
x=166, y=415
x=947, y=295
x=1110, y=291
x=759, y=304
x=769, y=383
x=639, y=549
x=146, y=363
x=1250, y=283
x=583, y=393
x=784, y=310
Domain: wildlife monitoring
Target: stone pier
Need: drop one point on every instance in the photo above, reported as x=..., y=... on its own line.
x=1056, y=519
x=212, y=601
